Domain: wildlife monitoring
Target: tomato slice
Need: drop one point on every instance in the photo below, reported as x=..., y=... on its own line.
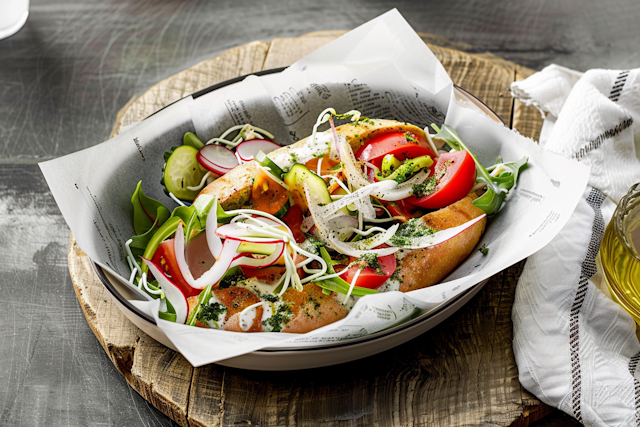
x=370, y=278
x=165, y=258
x=398, y=209
x=293, y=218
x=403, y=145
x=267, y=195
x=459, y=176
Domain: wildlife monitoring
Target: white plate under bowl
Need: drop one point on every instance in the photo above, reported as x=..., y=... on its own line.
x=285, y=358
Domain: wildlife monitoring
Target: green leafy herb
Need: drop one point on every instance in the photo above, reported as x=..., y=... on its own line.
x=484, y=250
x=410, y=137
x=504, y=177
x=147, y=212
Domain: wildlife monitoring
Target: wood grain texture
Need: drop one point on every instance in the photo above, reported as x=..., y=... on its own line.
x=461, y=373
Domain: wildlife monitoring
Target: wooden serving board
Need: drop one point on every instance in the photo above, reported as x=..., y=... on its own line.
x=461, y=373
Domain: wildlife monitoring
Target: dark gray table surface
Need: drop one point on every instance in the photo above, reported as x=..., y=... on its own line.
x=66, y=74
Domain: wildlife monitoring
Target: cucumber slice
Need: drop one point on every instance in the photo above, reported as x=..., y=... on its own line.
x=183, y=170
x=283, y=210
x=266, y=162
x=297, y=177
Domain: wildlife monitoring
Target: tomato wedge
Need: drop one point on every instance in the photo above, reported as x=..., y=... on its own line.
x=370, y=278
x=457, y=175
x=403, y=145
x=165, y=259
x=399, y=210
x=293, y=218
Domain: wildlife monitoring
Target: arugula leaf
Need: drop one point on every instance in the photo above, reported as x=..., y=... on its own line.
x=203, y=205
x=147, y=212
x=503, y=178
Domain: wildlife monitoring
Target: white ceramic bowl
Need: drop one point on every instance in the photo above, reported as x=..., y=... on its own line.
x=291, y=358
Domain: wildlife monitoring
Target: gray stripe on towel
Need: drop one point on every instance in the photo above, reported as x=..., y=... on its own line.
x=595, y=199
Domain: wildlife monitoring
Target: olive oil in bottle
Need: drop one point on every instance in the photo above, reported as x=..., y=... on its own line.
x=619, y=253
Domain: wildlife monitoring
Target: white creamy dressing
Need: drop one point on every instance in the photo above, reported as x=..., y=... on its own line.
x=349, y=303
x=393, y=284
x=222, y=317
x=248, y=315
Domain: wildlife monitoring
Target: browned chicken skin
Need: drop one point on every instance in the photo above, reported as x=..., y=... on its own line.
x=428, y=266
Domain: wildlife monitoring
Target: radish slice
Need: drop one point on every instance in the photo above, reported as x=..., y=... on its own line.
x=247, y=150
x=215, y=273
x=440, y=236
x=217, y=158
x=213, y=241
x=173, y=293
x=245, y=261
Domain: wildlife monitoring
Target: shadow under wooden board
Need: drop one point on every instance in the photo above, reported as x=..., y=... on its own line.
x=461, y=373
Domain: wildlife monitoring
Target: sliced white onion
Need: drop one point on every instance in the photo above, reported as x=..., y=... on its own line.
x=344, y=224
x=216, y=272
x=307, y=224
x=213, y=241
x=217, y=158
x=247, y=150
x=245, y=261
x=173, y=293
x=440, y=236
x=331, y=237
x=354, y=175
x=360, y=198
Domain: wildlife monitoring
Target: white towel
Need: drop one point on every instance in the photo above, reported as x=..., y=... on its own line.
x=575, y=348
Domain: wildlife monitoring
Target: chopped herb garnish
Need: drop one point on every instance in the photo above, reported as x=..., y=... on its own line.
x=484, y=250
x=269, y=297
x=232, y=278
x=410, y=137
x=411, y=229
x=362, y=120
x=211, y=312
x=370, y=260
x=282, y=316
x=427, y=187
x=315, y=242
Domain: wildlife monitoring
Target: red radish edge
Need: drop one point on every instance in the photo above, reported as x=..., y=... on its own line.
x=448, y=233
x=217, y=158
x=216, y=272
x=173, y=293
x=227, y=232
x=244, y=261
x=247, y=150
